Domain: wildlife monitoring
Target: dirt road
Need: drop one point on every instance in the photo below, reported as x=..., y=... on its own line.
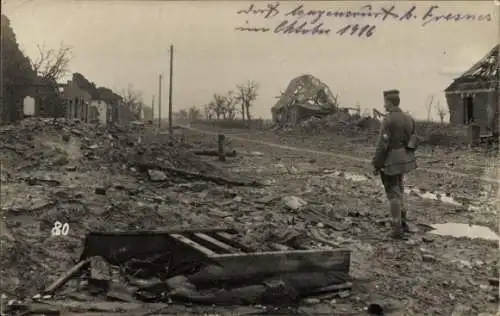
x=245, y=137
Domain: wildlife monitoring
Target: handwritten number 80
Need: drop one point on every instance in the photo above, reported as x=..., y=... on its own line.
x=60, y=229
x=355, y=29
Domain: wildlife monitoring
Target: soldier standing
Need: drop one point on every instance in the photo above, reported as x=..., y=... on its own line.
x=394, y=157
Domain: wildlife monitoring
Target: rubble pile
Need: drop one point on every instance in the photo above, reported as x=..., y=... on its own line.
x=57, y=170
x=104, y=179
x=116, y=180
x=101, y=144
x=349, y=125
x=148, y=267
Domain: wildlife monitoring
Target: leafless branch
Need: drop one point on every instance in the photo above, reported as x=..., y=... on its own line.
x=246, y=95
x=52, y=64
x=194, y=113
x=132, y=99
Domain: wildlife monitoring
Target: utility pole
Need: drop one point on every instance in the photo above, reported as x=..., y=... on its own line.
x=170, y=91
x=159, y=101
x=153, y=107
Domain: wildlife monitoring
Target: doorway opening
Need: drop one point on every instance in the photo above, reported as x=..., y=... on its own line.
x=468, y=110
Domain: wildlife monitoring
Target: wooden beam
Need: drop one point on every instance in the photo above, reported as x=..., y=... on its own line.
x=65, y=277
x=229, y=239
x=216, y=242
x=194, y=245
x=255, y=265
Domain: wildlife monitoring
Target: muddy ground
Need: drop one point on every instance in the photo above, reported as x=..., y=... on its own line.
x=47, y=178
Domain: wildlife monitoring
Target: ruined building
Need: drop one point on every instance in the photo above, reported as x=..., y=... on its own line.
x=305, y=97
x=473, y=97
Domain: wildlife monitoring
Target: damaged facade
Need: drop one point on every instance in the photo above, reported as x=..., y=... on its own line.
x=473, y=97
x=305, y=97
x=76, y=101
x=88, y=103
x=42, y=98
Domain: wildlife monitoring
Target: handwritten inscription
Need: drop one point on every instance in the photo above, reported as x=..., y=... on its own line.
x=60, y=229
x=303, y=21
x=355, y=29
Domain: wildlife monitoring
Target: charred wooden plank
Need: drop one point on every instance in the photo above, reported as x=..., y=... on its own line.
x=217, y=243
x=212, y=152
x=66, y=276
x=194, y=176
x=193, y=244
x=332, y=288
x=250, y=265
x=229, y=239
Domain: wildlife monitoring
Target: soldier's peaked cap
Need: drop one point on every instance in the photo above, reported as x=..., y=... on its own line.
x=391, y=93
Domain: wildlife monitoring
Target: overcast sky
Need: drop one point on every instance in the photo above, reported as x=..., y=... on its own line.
x=120, y=42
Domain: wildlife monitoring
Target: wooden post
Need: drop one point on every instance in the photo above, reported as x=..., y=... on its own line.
x=153, y=109
x=222, y=154
x=170, y=91
x=159, y=101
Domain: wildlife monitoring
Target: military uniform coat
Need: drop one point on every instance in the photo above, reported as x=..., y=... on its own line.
x=391, y=153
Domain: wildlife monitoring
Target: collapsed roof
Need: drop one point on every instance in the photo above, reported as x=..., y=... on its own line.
x=307, y=91
x=482, y=75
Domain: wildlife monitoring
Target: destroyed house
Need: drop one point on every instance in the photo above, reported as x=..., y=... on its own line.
x=88, y=103
x=473, y=97
x=105, y=105
x=305, y=97
x=45, y=98
x=76, y=101
x=114, y=104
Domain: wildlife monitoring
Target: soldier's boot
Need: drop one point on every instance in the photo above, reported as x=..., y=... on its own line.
x=396, y=220
x=404, y=220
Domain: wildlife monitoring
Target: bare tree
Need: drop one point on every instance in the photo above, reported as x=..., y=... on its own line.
x=441, y=112
x=207, y=112
x=246, y=95
x=182, y=115
x=52, y=64
x=194, y=114
x=230, y=105
x=217, y=106
x=132, y=99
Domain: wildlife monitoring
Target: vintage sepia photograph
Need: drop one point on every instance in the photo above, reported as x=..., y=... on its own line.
x=249, y=158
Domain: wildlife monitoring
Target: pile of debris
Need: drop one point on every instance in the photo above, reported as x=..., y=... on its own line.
x=129, y=188
x=89, y=146
x=309, y=105
x=343, y=123
x=305, y=97
x=196, y=266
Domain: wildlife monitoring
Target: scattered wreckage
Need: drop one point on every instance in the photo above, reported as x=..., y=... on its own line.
x=201, y=266
x=305, y=97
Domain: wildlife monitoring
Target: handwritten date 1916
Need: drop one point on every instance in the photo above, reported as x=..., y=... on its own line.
x=304, y=28
x=356, y=29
